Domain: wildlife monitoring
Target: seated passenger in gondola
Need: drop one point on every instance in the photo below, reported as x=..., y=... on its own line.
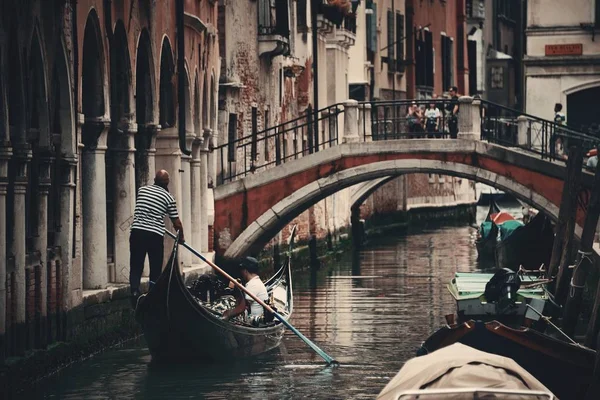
x=249, y=273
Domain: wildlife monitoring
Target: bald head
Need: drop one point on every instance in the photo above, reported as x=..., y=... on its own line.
x=162, y=178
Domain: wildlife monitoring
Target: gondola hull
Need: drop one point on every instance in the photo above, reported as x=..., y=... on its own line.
x=176, y=327
x=566, y=369
x=486, y=246
x=529, y=246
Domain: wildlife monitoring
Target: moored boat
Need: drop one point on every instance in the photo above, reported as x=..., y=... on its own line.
x=487, y=233
x=529, y=246
x=463, y=372
x=179, y=326
x=475, y=298
x=564, y=368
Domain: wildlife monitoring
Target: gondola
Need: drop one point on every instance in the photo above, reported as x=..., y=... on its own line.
x=462, y=372
x=177, y=326
x=488, y=232
x=564, y=368
x=529, y=246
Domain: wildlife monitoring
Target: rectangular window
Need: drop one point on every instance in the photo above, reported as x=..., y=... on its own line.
x=473, y=71
x=447, y=62
x=597, y=13
x=419, y=59
x=390, y=40
x=372, y=28
x=253, y=147
x=231, y=137
x=429, y=60
x=399, y=42
x=301, y=20
x=267, y=134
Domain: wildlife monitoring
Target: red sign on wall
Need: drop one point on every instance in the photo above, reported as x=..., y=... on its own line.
x=575, y=49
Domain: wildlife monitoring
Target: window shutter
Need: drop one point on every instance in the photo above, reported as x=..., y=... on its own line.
x=390, y=37
x=231, y=137
x=301, y=21
x=399, y=38
x=429, y=60
x=372, y=27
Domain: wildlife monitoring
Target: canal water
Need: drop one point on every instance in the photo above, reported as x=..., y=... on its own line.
x=369, y=310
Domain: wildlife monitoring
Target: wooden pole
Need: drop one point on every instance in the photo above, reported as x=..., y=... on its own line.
x=566, y=215
x=584, y=261
x=573, y=185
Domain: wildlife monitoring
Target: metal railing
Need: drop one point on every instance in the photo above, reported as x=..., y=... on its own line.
x=407, y=119
x=513, y=128
x=278, y=144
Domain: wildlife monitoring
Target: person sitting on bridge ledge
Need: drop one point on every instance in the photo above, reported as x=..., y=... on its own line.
x=249, y=272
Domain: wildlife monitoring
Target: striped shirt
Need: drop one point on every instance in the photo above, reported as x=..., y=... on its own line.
x=152, y=204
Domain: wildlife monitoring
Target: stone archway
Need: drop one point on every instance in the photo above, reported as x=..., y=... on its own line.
x=274, y=219
x=119, y=169
x=144, y=111
x=166, y=102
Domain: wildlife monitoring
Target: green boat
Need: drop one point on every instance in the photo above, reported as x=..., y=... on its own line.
x=469, y=291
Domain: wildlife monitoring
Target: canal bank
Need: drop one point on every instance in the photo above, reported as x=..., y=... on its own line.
x=105, y=318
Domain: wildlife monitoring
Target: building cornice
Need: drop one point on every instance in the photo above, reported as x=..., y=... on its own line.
x=561, y=60
x=557, y=30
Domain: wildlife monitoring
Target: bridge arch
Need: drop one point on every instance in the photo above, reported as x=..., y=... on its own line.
x=259, y=232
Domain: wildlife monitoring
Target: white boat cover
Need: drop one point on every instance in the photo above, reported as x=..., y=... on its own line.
x=460, y=366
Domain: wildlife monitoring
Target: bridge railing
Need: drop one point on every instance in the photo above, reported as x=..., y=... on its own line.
x=512, y=128
x=275, y=145
x=407, y=119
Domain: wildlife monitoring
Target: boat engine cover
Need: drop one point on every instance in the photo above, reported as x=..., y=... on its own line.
x=504, y=284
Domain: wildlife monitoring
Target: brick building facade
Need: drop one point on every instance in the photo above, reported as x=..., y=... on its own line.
x=88, y=112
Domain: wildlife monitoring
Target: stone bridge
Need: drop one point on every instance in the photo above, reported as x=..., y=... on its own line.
x=251, y=211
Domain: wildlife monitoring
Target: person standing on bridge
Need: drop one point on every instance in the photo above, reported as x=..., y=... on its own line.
x=453, y=109
x=557, y=145
x=153, y=203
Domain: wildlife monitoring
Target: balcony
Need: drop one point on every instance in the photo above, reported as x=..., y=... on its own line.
x=273, y=28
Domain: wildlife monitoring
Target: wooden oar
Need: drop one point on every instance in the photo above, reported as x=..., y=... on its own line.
x=327, y=358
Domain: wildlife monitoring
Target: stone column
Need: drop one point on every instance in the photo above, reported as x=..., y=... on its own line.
x=21, y=158
x=364, y=123
x=124, y=167
x=469, y=119
x=187, y=258
x=168, y=157
x=41, y=242
x=93, y=171
x=350, y=122
x=523, y=133
x=204, y=191
x=68, y=168
x=5, y=154
x=196, y=194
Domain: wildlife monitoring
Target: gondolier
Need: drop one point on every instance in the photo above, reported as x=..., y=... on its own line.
x=153, y=203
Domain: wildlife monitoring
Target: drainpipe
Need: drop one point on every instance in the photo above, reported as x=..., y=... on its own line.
x=315, y=43
x=75, y=114
x=181, y=78
x=75, y=66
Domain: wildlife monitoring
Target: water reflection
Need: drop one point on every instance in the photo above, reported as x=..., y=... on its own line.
x=370, y=310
